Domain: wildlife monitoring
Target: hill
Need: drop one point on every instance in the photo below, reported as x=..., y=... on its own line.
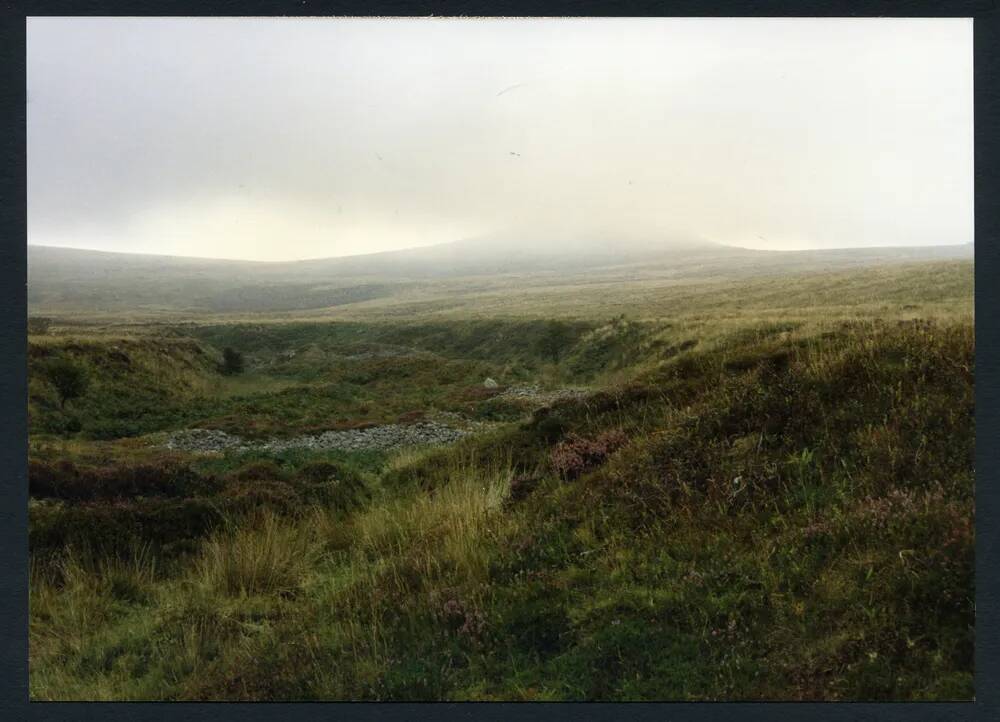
x=74, y=282
x=720, y=489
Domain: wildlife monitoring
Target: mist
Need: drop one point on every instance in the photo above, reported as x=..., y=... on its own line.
x=282, y=139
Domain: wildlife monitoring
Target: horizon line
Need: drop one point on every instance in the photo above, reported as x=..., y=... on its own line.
x=446, y=243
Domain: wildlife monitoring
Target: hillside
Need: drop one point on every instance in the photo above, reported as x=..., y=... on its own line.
x=759, y=489
x=77, y=282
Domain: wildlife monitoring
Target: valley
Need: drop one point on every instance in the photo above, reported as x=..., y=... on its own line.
x=758, y=487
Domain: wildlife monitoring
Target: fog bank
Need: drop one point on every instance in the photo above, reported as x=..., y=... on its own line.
x=286, y=139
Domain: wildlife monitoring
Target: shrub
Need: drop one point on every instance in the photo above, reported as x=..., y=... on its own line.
x=577, y=454
x=64, y=480
x=232, y=362
x=69, y=379
x=557, y=337
x=167, y=525
x=333, y=485
x=550, y=428
x=246, y=497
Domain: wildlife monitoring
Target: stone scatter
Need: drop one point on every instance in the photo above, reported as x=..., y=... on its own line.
x=444, y=428
x=535, y=393
x=379, y=438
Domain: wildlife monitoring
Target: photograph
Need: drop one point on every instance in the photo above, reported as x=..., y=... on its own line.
x=480, y=359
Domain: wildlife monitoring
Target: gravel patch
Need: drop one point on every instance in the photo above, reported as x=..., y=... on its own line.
x=375, y=438
x=535, y=393
x=428, y=432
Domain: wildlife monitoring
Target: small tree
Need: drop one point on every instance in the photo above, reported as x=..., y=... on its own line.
x=232, y=362
x=556, y=338
x=70, y=380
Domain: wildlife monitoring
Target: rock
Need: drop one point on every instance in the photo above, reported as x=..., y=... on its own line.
x=490, y=383
x=384, y=437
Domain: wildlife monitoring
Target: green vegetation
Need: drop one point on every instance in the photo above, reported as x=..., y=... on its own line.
x=232, y=362
x=68, y=379
x=764, y=491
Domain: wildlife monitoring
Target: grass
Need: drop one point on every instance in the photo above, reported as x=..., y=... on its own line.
x=753, y=502
x=261, y=556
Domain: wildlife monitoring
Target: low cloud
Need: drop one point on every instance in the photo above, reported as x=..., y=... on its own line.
x=284, y=139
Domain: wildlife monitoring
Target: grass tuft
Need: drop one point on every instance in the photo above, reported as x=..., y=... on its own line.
x=264, y=555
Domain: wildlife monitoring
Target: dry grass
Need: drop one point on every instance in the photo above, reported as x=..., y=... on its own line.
x=792, y=517
x=265, y=555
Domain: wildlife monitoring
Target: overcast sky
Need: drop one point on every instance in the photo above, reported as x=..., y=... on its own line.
x=285, y=139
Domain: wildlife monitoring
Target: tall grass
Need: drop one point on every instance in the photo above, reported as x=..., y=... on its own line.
x=264, y=555
x=791, y=517
x=444, y=527
x=73, y=594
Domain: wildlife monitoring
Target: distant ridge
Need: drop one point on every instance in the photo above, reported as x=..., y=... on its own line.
x=69, y=280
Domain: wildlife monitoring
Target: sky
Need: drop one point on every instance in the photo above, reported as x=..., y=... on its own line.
x=283, y=139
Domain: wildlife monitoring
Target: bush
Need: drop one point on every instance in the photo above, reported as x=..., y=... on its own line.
x=69, y=379
x=168, y=525
x=550, y=428
x=576, y=454
x=246, y=497
x=64, y=480
x=332, y=485
x=556, y=338
x=232, y=362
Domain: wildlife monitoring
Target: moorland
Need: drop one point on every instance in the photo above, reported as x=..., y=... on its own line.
x=732, y=475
